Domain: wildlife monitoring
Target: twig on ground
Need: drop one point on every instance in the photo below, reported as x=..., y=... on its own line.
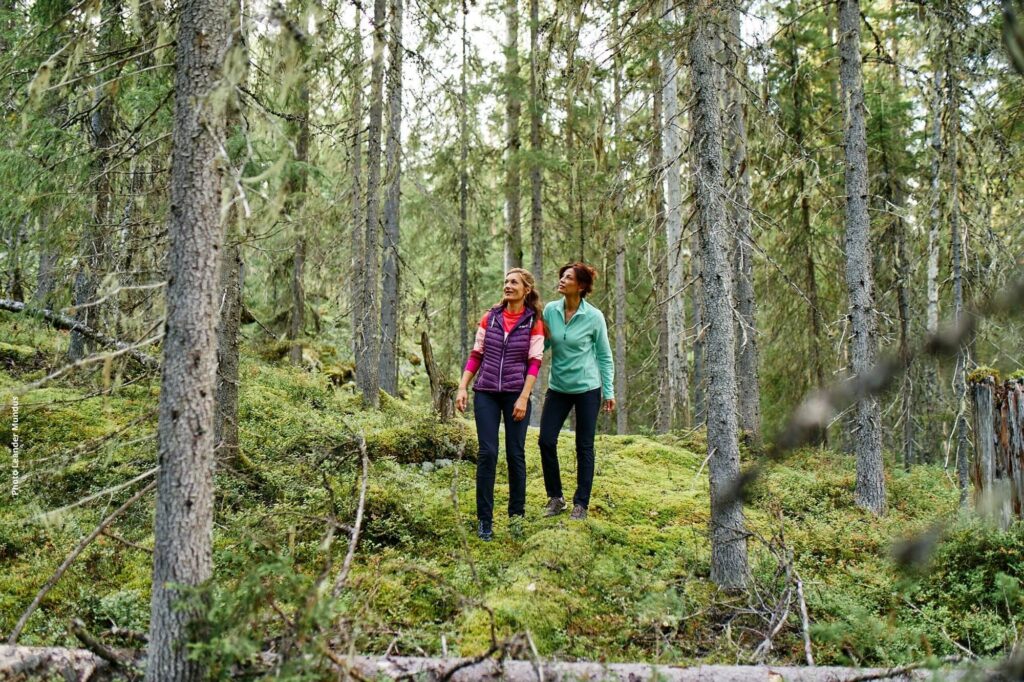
x=16, y=632
x=346, y=565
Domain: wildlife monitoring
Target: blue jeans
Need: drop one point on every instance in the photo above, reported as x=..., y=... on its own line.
x=556, y=409
x=488, y=409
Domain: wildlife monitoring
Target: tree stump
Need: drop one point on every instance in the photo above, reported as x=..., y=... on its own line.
x=998, y=468
x=442, y=389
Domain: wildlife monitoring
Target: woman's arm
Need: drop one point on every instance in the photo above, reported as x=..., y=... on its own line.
x=462, y=396
x=605, y=363
x=472, y=365
x=519, y=409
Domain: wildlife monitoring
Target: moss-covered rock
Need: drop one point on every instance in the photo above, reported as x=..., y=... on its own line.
x=15, y=353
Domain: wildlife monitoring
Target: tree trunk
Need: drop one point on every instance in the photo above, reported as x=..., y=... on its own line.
x=226, y=421
x=536, y=186
x=698, y=380
x=368, y=352
x=513, y=227
x=673, y=149
x=957, y=249
x=464, y=194
x=728, y=536
x=392, y=207
x=184, y=508
x=666, y=400
x=296, y=191
x=621, y=415
x=870, y=490
x=932, y=435
x=358, y=222
x=749, y=399
x=94, y=254
x=810, y=267
x=46, y=277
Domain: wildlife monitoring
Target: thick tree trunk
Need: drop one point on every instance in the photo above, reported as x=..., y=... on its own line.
x=749, y=399
x=184, y=509
x=513, y=226
x=464, y=331
x=728, y=535
x=870, y=490
x=666, y=400
x=358, y=222
x=368, y=351
x=676, y=249
x=536, y=186
x=392, y=210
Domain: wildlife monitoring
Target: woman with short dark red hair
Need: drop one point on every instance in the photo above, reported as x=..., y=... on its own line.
x=582, y=373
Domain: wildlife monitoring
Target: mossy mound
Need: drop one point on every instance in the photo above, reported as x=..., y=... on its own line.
x=629, y=583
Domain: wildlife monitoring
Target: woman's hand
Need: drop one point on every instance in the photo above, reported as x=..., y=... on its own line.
x=609, y=405
x=519, y=409
x=460, y=399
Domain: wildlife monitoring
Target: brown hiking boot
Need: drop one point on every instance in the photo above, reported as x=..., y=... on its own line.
x=555, y=506
x=579, y=512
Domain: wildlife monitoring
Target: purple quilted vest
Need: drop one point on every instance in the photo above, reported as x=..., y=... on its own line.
x=506, y=360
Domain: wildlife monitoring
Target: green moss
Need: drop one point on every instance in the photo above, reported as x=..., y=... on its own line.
x=982, y=373
x=1016, y=375
x=15, y=353
x=629, y=583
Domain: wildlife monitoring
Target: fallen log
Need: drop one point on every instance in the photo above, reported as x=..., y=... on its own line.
x=18, y=663
x=70, y=324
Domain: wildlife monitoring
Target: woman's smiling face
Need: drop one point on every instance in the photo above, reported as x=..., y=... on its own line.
x=515, y=289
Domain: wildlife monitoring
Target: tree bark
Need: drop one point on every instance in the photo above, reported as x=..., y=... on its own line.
x=464, y=332
x=358, y=221
x=536, y=187
x=870, y=488
x=296, y=191
x=392, y=210
x=663, y=412
x=513, y=227
x=226, y=421
x=368, y=351
x=621, y=376
x=749, y=398
x=728, y=535
x=956, y=270
x=94, y=255
x=184, y=509
x=673, y=150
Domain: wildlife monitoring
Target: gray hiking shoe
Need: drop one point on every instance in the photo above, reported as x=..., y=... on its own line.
x=555, y=506
x=579, y=512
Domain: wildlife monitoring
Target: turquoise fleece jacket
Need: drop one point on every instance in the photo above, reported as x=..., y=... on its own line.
x=581, y=357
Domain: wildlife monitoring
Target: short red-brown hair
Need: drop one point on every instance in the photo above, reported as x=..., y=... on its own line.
x=585, y=276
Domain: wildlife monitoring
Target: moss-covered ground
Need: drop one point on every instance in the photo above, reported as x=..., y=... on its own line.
x=629, y=583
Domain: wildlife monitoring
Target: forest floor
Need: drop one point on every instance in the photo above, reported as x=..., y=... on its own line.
x=628, y=584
